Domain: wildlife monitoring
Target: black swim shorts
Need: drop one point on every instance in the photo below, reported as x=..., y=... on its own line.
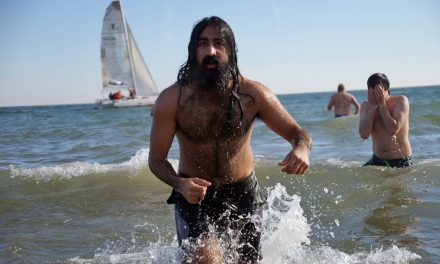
x=233, y=207
x=392, y=163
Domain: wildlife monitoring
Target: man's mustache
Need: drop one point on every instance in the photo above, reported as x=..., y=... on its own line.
x=210, y=59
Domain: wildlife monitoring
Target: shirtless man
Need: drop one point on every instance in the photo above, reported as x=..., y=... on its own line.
x=386, y=118
x=342, y=102
x=211, y=109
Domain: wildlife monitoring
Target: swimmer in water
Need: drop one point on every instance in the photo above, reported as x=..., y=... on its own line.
x=386, y=119
x=211, y=110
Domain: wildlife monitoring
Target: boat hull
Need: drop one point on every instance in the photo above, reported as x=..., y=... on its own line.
x=127, y=102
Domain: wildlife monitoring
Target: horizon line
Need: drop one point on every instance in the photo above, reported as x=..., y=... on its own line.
x=312, y=92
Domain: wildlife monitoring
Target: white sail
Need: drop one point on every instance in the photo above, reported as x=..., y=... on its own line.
x=144, y=84
x=115, y=60
x=123, y=67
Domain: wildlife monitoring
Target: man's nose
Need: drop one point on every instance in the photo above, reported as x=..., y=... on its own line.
x=211, y=50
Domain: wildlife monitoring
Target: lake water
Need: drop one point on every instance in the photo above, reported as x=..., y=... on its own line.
x=75, y=187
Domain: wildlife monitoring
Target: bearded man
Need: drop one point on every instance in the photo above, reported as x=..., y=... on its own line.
x=211, y=110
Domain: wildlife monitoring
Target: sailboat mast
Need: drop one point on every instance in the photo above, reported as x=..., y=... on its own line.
x=127, y=41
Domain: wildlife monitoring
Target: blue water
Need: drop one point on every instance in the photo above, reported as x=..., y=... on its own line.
x=75, y=188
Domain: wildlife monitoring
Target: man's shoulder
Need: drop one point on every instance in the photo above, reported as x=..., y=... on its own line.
x=345, y=95
x=253, y=88
x=352, y=97
x=171, y=92
x=248, y=83
x=173, y=88
x=400, y=99
x=402, y=102
x=364, y=103
x=168, y=97
x=261, y=94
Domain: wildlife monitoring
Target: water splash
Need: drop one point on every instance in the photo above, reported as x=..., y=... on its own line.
x=285, y=240
x=286, y=228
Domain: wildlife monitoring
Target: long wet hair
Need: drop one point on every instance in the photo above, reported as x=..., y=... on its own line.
x=226, y=33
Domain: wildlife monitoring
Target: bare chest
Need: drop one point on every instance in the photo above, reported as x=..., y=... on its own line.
x=203, y=120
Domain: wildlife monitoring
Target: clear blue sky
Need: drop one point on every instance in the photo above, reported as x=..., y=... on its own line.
x=49, y=51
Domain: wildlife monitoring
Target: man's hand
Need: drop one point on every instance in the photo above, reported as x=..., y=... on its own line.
x=378, y=94
x=297, y=161
x=371, y=97
x=193, y=189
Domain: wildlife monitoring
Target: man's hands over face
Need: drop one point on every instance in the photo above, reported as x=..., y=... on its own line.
x=376, y=95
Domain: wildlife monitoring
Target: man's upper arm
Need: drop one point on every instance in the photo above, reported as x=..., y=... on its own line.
x=353, y=100
x=365, y=125
x=363, y=113
x=401, y=112
x=163, y=128
x=331, y=103
x=355, y=103
x=274, y=115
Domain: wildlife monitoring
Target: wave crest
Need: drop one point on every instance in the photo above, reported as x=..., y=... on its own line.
x=71, y=170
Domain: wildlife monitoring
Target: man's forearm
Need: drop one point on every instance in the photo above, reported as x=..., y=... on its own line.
x=302, y=138
x=366, y=121
x=357, y=108
x=390, y=123
x=163, y=170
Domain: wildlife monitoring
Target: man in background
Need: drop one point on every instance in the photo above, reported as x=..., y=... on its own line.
x=386, y=119
x=342, y=101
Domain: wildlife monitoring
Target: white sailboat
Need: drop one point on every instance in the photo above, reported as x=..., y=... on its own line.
x=126, y=80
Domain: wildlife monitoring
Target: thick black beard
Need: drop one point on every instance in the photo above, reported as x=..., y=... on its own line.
x=211, y=79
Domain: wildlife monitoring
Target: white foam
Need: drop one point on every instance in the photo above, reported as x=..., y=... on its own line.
x=285, y=240
x=76, y=169
x=155, y=253
x=327, y=255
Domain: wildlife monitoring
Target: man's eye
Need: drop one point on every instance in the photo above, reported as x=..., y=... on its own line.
x=218, y=44
x=203, y=43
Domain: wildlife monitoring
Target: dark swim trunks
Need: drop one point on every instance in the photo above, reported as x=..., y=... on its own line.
x=392, y=163
x=236, y=206
x=336, y=115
